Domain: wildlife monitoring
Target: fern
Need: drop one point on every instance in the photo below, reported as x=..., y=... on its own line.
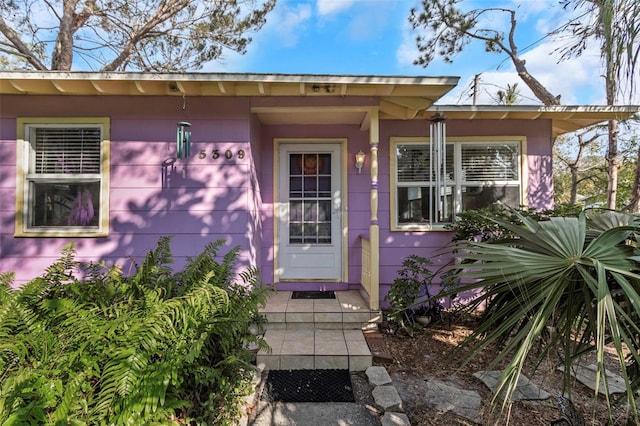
x=112, y=349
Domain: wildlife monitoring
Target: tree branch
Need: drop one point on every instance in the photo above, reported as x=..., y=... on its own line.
x=163, y=13
x=20, y=47
x=453, y=19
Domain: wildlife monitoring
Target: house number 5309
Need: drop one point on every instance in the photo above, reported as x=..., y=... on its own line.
x=215, y=154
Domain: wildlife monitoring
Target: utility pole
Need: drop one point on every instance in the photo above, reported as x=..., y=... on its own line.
x=475, y=88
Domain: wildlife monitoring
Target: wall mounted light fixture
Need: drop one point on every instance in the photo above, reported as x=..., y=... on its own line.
x=360, y=157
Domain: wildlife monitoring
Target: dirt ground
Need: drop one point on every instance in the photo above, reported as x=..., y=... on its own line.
x=424, y=356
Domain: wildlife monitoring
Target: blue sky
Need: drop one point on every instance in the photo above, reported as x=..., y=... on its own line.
x=374, y=37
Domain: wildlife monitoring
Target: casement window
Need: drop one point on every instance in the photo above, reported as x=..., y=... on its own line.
x=63, y=176
x=429, y=188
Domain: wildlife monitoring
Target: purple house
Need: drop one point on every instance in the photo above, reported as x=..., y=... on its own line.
x=326, y=182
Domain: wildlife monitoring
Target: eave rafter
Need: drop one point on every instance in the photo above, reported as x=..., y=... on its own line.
x=403, y=108
x=16, y=85
x=58, y=86
x=395, y=110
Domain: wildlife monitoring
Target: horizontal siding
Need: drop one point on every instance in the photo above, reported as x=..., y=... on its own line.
x=8, y=151
x=200, y=200
x=7, y=184
x=178, y=176
x=179, y=222
x=139, y=200
x=30, y=256
x=197, y=200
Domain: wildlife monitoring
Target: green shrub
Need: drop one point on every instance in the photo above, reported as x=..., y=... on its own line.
x=406, y=289
x=486, y=224
x=155, y=347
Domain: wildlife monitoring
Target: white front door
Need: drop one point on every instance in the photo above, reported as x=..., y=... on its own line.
x=310, y=204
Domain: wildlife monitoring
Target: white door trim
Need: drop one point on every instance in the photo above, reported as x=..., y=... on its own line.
x=281, y=204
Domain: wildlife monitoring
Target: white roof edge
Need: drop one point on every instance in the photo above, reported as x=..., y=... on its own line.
x=230, y=77
x=535, y=108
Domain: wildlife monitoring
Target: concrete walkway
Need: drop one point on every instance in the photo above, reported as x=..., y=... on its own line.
x=377, y=403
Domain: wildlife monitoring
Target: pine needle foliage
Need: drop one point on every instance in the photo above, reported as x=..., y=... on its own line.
x=565, y=286
x=156, y=347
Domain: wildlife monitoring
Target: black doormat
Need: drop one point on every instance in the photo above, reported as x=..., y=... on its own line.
x=313, y=295
x=308, y=386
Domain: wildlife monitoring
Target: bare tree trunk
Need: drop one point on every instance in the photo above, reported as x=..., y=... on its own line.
x=62, y=57
x=536, y=87
x=613, y=165
x=574, y=185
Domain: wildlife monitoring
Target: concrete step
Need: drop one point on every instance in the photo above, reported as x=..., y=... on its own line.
x=347, y=311
x=315, y=349
x=317, y=333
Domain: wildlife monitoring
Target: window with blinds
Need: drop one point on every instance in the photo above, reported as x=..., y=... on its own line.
x=414, y=163
x=482, y=163
x=470, y=175
x=66, y=150
x=64, y=181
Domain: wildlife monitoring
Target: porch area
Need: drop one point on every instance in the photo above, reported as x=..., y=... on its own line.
x=317, y=333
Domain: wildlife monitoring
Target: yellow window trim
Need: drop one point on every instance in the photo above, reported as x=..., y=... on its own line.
x=22, y=158
x=395, y=140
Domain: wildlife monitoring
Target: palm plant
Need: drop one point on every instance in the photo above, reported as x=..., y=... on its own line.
x=575, y=275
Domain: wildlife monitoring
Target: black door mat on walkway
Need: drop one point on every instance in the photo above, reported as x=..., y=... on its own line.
x=308, y=386
x=313, y=295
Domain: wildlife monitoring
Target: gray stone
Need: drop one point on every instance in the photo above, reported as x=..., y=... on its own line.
x=445, y=397
x=525, y=390
x=587, y=376
x=378, y=376
x=387, y=398
x=395, y=419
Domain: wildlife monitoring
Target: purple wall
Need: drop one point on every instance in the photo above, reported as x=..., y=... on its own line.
x=195, y=200
x=396, y=246
x=202, y=200
x=357, y=198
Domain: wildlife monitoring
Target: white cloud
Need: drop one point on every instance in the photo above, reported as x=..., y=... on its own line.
x=407, y=51
x=374, y=19
x=229, y=62
x=329, y=7
x=287, y=25
x=577, y=80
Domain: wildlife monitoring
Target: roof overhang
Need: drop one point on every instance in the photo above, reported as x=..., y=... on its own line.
x=398, y=97
x=564, y=118
x=395, y=97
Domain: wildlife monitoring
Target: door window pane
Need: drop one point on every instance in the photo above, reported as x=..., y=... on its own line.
x=295, y=211
x=295, y=164
x=310, y=198
x=310, y=186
